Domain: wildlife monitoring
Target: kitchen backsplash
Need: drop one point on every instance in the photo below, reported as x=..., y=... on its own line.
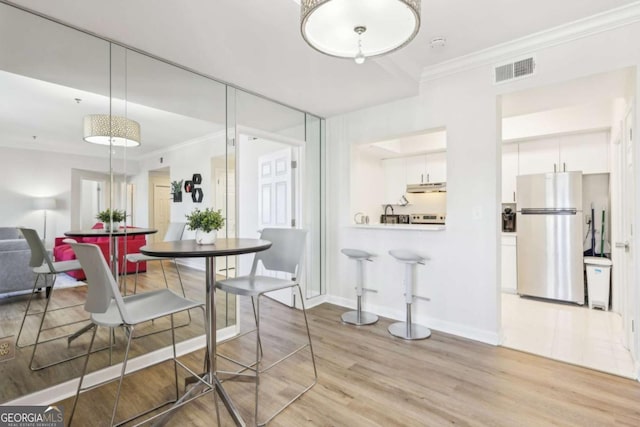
x=423, y=203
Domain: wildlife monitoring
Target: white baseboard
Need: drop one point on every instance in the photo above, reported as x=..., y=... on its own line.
x=312, y=302
x=68, y=389
x=452, y=328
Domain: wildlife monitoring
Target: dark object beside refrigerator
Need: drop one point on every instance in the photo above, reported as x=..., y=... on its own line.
x=508, y=220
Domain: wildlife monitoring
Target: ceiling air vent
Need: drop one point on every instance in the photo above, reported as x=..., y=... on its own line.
x=514, y=70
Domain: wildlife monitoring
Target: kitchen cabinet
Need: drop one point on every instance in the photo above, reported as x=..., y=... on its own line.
x=436, y=167
x=509, y=172
x=426, y=168
x=586, y=152
x=509, y=273
x=416, y=169
x=538, y=156
x=395, y=179
x=399, y=172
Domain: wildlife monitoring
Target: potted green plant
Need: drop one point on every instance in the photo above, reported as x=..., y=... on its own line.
x=176, y=190
x=111, y=218
x=206, y=224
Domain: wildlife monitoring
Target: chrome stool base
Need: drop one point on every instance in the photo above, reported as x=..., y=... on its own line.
x=365, y=318
x=415, y=332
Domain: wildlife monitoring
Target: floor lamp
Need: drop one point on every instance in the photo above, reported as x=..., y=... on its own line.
x=45, y=204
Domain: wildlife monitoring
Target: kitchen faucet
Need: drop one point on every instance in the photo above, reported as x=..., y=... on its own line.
x=385, y=209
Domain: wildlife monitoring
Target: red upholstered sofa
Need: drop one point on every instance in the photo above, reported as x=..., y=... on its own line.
x=126, y=245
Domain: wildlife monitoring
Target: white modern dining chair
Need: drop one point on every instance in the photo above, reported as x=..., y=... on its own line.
x=44, y=267
x=174, y=232
x=109, y=308
x=285, y=255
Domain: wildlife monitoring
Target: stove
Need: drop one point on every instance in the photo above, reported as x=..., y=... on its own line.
x=428, y=218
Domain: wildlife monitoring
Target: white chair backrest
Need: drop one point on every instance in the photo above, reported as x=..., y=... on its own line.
x=102, y=287
x=174, y=231
x=286, y=252
x=39, y=254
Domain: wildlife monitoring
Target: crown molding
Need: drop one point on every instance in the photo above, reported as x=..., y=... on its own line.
x=605, y=21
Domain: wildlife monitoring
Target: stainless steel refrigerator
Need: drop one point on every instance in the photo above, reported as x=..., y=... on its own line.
x=549, y=239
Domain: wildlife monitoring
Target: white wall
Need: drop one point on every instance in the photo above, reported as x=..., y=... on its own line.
x=464, y=271
x=461, y=275
x=596, y=115
x=367, y=184
x=183, y=162
x=27, y=174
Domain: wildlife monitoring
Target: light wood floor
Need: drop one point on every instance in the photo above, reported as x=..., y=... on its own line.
x=368, y=378
x=16, y=379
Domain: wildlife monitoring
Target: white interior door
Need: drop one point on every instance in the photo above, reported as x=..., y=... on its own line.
x=161, y=211
x=91, y=201
x=267, y=192
x=628, y=213
x=275, y=204
x=275, y=189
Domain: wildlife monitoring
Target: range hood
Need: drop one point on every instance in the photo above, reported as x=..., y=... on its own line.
x=427, y=187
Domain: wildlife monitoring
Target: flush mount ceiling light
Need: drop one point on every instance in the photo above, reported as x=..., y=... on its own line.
x=359, y=29
x=118, y=131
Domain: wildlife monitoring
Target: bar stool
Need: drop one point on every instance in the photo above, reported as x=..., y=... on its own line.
x=359, y=317
x=407, y=330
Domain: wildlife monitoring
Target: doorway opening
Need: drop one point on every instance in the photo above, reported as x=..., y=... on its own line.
x=159, y=202
x=574, y=126
x=268, y=191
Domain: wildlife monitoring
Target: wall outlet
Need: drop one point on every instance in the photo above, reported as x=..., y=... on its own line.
x=7, y=348
x=476, y=212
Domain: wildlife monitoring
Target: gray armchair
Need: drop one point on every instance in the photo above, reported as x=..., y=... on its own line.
x=15, y=273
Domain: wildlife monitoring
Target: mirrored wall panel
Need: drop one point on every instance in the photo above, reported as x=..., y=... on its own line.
x=114, y=147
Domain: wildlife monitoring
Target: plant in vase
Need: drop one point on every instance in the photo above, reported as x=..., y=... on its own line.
x=176, y=190
x=111, y=218
x=206, y=224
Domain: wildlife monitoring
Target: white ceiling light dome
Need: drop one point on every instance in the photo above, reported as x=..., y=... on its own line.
x=359, y=28
x=118, y=131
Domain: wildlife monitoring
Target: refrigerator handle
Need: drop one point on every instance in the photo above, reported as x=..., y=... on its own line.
x=555, y=169
x=547, y=211
x=564, y=167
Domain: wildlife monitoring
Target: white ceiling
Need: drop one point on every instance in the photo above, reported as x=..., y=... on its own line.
x=45, y=116
x=256, y=44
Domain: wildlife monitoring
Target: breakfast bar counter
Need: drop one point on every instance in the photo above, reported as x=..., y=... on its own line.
x=401, y=227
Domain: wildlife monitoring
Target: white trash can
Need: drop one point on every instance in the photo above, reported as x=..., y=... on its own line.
x=598, y=279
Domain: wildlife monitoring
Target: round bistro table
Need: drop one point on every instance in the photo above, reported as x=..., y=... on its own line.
x=222, y=247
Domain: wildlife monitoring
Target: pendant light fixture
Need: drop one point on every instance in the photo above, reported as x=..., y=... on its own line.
x=118, y=131
x=359, y=29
